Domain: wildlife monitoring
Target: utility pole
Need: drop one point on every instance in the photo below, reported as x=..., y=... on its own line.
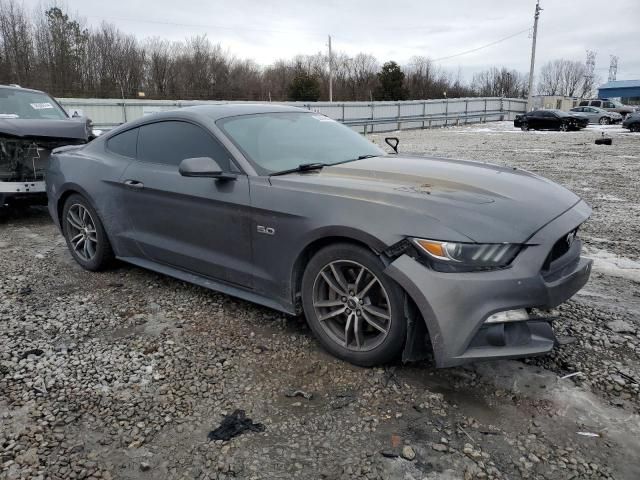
x=533, y=54
x=330, y=72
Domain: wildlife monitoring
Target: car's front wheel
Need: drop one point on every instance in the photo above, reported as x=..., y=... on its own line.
x=353, y=308
x=85, y=235
x=564, y=127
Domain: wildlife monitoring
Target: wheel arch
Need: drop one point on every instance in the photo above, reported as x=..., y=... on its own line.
x=67, y=191
x=323, y=238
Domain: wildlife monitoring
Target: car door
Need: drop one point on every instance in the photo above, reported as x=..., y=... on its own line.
x=543, y=120
x=592, y=114
x=200, y=225
x=533, y=118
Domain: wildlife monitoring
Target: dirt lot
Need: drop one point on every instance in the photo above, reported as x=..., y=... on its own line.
x=123, y=374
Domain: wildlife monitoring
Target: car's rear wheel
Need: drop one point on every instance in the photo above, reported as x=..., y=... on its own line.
x=564, y=127
x=85, y=235
x=635, y=127
x=353, y=308
x=524, y=127
x=604, y=121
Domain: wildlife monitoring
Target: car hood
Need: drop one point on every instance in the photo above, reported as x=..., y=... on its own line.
x=58, y=129
x=483, y=202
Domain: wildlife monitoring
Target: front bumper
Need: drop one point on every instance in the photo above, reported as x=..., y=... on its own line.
x=455, y=306
x=22, y=192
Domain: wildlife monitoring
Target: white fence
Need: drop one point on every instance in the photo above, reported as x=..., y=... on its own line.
x=362, y=116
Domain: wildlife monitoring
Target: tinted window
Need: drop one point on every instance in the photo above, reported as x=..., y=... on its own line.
x=582, y=104
x=124, y=143
x=171, y=142
x=608, y=105
x=596, y=103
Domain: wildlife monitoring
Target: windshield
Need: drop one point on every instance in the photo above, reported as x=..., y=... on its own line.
x=16, y=103
x=274, y=142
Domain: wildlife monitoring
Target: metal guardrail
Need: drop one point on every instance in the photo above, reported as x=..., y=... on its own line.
x=371, y=116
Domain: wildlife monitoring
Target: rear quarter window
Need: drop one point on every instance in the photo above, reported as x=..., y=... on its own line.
x=124, y=143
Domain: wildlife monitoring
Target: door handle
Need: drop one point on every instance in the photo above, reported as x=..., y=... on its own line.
x=133, y=184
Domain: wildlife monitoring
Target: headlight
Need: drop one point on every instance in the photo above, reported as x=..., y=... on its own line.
x=466, y=257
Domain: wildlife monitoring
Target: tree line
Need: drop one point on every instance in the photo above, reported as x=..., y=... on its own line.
x=57, y=53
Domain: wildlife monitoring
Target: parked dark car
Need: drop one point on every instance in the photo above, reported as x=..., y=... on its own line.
x=550, y=120
x=287, y=208
x=31, y=124
x=632, y=122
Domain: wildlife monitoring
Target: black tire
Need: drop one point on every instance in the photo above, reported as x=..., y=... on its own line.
x=635, y=127
x=389, y=346
x=565, y=126
x=604, y=121
x=102, y=253
x=524, y=126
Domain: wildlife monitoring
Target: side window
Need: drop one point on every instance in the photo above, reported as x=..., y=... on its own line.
x=171, y=142
x=584, y=103
x=596, y=103
x=124, y=143
x=608, y=105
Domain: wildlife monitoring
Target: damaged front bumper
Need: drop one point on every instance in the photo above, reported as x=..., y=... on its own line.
x=456, y=306
x=22, y=191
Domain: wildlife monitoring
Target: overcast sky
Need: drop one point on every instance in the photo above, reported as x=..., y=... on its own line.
x=266, y=30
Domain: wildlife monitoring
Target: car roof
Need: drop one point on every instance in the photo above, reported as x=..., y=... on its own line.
x=21, y=89
x=234, y=109
x=208, y=114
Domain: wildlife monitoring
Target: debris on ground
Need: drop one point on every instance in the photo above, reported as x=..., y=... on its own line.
x=408, y=453
x=233, y=425
x=299, y=393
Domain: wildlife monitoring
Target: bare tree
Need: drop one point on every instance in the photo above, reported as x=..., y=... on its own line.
x=16, y=44
x=562, y=77
x=502, y=82
x=56, y=52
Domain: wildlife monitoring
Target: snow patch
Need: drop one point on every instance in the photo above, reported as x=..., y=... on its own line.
x=613, y=265
x=610, y=198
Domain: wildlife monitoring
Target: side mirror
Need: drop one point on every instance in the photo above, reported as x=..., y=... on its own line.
x=203, y=167
x=393, y=142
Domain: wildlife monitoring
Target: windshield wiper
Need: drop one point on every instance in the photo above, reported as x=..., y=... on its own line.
x=303, y=167
x=362, y=157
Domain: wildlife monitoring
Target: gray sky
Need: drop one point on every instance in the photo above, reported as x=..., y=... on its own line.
x=390, y=29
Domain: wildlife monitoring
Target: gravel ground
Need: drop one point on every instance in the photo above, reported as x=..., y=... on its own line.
x=123, y=374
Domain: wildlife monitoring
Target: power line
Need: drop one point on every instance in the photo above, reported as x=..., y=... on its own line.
x=482, y=47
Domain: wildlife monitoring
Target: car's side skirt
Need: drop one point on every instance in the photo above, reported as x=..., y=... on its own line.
x=211, y=284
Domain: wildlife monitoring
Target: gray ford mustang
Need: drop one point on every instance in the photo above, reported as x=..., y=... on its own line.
x=385, y=254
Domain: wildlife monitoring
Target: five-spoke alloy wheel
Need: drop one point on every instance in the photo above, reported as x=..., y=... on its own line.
x=352, y=305
x=85, y=234
x=82, y=231
x=354, y=309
